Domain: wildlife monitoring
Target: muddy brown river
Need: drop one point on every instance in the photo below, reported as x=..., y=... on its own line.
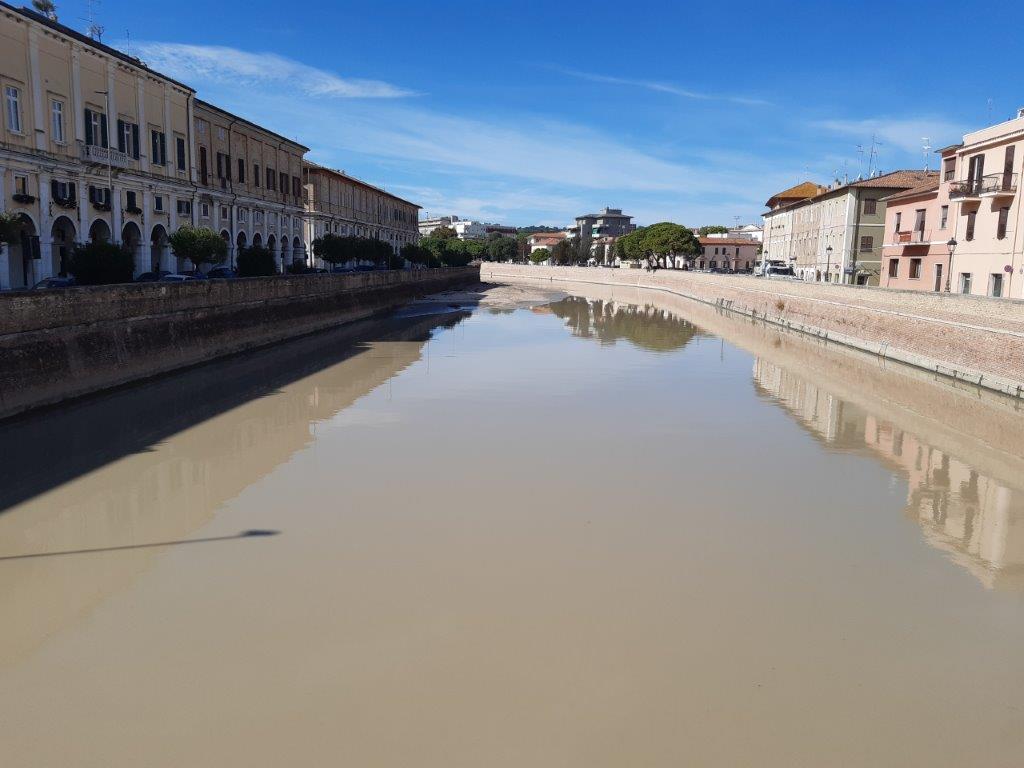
x=518, y=528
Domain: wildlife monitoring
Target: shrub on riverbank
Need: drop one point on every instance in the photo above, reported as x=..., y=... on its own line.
x=256, y=262
x=101, y=264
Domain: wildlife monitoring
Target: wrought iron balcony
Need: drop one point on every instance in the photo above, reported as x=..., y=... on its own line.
x=991, y=185
x=965, y=190
x=102, y=155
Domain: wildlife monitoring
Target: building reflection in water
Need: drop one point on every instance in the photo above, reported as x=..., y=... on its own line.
x=973, y=513
x=647, y=326
x=153, y=463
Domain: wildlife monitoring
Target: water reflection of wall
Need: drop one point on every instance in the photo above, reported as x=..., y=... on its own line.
x=978, y=519
x=168, y=490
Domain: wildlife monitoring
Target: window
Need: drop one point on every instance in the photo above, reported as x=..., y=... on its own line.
x=128, y=138
x=99, y=196
x=255, y=175
x=915, y=269
x=224, y=212
x=21, y=185
x=184, y=207
x=969, y=233
x=271, y=179
x=870, y=206
x=158, y=146
x=965, y=282
x=158, y=203
x=204, y=170
x=995, y=285
x=63, y=193
x=12, y=102
x=130, y=201
x=257, y=217
x=204, y=210
x=943, y=216
x=296, y=186
x=867, y=244
x=201, y=127
x=57, y=120
x=243, y=215
x=241, y=171
x=894, y=268
x=220, y=133
x=179, y=150
x=95, y=128
x=899, y=220
x=1004, y=216
x=284, y=183
x=948, y=168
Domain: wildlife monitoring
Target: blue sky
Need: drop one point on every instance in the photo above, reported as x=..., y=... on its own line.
x=533, y=112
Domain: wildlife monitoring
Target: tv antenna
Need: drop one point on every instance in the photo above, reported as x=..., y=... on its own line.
x=873, y=155
x=860, y=154
x=926, y=149
x=95, y=30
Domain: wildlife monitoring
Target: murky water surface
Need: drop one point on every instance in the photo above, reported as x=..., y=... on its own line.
x=612, y=529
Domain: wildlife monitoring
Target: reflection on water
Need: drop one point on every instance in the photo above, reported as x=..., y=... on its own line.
x=646, y=325
x=975, y=517
x=480, y=538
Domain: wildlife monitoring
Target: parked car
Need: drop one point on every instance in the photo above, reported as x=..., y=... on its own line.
x=221, y=273
x=194, y=273
x=183, y=277
x=49, y=283
x=151, y=277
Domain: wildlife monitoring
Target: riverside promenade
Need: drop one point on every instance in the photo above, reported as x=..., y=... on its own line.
x=969, y=338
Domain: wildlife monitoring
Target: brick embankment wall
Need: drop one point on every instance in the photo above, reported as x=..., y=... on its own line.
x=971, y=338
x=56, y=345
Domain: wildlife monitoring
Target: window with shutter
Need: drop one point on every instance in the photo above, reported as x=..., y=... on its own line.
x=255, y=175
x=179, y=145
x=241, y=171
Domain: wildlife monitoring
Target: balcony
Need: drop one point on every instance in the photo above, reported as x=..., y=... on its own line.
x=992, y=185
x=999, y=185
x=102, y=155
x=914, y=237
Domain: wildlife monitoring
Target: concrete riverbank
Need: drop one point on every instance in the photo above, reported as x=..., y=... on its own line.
x=969, y=338
x=57, y=345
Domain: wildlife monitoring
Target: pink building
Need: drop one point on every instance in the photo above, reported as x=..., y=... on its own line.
x=918, y=224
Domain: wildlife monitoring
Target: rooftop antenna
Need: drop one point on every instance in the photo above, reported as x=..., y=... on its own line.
x=128, y=42
x=95, y=30
x=990, y=111
x=926, y=149
x=873, y=155
x=860, y=153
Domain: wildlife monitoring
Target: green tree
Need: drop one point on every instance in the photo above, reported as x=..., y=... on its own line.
x=10, y=226
x=665, y=238
x=417, y=254
x=256, y=261
x=540, y=255
x=330, y=248
x=46, y=8
x=502, y=249
x=712, y=229
x=98, y=263
x=563, y=252
x=629, y=247
x=200, y=245
x=444, y=233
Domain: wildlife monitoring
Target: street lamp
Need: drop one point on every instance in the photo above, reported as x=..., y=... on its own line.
x=828, y=264
x=949, y=268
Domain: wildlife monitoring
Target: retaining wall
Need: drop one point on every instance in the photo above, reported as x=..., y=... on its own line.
x=56, y=345
x=970, y=338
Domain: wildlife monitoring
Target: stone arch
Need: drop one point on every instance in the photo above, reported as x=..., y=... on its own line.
x=257, y=240
x=159, y=249
x=22, y=271
x=131, y=237
x=99, y=232
x=298, y=254
x=62, y=235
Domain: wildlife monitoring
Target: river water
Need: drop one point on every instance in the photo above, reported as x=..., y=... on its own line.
x=518, y=528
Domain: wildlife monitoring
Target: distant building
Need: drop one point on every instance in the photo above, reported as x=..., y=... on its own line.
x=465, y=229
x=427, y=226
x=744, y=232
x=737, y=254
x=544, y=240
x=610, y=222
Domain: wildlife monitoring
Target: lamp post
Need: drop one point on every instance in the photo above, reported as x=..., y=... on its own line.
x=949, y=268
x=828, y=264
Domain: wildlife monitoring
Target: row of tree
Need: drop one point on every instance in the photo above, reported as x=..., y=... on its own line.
x=658, y=241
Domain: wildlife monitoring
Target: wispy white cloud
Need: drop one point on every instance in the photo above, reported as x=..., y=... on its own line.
x=230, y=65
x=661, y=87
x=905, y=134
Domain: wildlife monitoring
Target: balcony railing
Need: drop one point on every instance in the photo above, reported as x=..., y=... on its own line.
x=94, y=154
x=910, y=237
x=994, y=184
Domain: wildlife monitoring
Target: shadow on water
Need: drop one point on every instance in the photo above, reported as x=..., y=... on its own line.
x=243, y=535
x=46, y=450
x=647, y=326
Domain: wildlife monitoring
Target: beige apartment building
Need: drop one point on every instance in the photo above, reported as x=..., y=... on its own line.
x=339, y=204
x=250, y=186
x=94, y=145
x=837, y=234
x=777, y=235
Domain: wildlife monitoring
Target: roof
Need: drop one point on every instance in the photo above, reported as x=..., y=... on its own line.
x=728, y=241
x=604, y=216
x=555, y=236
x=895, y=179
x=931, y=185
x=86, y=40
x=214, y=107
x=799, y=192
x=314, y=166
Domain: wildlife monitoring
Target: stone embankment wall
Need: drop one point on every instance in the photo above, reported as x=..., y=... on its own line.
x=56, y=345
x=971, y=338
